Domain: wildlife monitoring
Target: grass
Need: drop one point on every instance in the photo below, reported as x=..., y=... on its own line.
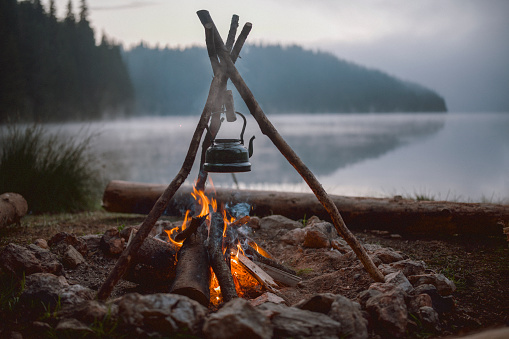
x=52, y=172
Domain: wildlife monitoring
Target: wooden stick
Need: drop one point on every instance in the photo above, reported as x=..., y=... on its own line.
x=192, y=276
x=240, y=41
x=270, y=131
x=263, y=278
x=217, y=260
x=232, y=32
x=260, y=258
x=195, y=223
x=126, y=257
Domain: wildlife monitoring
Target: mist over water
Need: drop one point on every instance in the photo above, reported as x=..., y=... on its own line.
x=443, y=156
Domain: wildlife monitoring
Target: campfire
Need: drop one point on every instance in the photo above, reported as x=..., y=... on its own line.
x=217, y=260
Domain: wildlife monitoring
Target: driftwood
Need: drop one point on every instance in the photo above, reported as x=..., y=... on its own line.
x=12, y=208
x=217, y=260
x=192, y=277
x=397, y=215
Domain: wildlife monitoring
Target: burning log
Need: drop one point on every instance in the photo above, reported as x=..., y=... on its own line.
x=217, y=260
x=260, y=275
x=195, y=223
x=12, y=208
x=192, y=277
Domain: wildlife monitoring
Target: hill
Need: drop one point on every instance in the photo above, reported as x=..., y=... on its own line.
x=283, y=79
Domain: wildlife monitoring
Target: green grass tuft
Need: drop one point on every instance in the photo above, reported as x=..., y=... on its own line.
x=52, y=172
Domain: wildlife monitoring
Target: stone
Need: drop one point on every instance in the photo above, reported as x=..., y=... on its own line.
x=323, y=226
x=399, y=279
x=320, y=303
x=444, y=286
x=291, y=322
x=41, y=243
x=365, y=295
x=440, y=303
x=89, y=311
x=162, y=314
x=429, y=318
x=68, y=255
x=418, y=301
x=388, y=310
x=267, y=297
x=314, y=238
x=72, y=328
x=340, y=245
x=277, y=225
x=387, y=255
x=45, y=290
x=236, y=319
x=93, y=241
x=294, y=237
x=349, y=314
x=19, y=260
x=112, y=243
x=408, y=267
x=70, y=239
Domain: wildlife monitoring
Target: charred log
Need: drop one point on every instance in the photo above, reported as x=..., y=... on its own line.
x=217, y=260
x=192, y=277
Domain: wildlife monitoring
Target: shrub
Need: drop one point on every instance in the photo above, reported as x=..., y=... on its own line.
x=54, y=173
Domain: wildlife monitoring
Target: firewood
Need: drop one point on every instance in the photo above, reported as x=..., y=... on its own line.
x=257, y=257
x=217, y=260
x=12, y=208
x=195, y=223
x=192, y=277
x=279, y=275
x=259, y=274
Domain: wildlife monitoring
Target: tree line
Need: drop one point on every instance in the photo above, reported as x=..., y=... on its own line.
x=52, y=69
x=283, y=79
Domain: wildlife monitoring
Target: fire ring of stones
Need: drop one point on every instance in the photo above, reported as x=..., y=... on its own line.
x=333, y=297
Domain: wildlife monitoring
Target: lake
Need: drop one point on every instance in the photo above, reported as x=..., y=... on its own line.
x=453, y=156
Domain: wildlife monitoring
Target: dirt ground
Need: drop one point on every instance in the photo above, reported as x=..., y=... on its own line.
x=478, y=266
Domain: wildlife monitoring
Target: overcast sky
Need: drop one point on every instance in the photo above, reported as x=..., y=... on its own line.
x=460, y=48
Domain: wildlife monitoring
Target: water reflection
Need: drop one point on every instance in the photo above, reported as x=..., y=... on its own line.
x=357, y=154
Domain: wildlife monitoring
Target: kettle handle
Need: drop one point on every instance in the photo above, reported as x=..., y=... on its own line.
x=243, y=127
x=241, y=133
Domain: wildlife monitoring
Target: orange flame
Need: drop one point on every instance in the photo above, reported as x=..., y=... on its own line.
x=244, y=281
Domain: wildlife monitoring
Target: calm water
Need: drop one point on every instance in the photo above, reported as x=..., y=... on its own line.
x=446, y=156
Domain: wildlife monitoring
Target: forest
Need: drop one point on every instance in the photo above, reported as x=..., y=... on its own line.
x=53, y=69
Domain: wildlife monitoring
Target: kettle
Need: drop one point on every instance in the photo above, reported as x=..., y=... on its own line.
x=229, y=155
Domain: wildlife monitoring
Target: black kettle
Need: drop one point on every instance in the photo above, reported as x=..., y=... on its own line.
x=229, y=155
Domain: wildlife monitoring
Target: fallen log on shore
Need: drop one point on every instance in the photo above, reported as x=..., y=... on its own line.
x=397, y=215
x=12, y=208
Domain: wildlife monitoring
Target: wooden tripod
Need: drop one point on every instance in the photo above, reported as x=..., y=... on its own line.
x=222, y=58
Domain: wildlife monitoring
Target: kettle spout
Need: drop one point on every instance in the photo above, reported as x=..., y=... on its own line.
x=251, y=146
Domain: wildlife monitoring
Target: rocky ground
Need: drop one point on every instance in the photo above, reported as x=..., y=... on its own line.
x=478, y=268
